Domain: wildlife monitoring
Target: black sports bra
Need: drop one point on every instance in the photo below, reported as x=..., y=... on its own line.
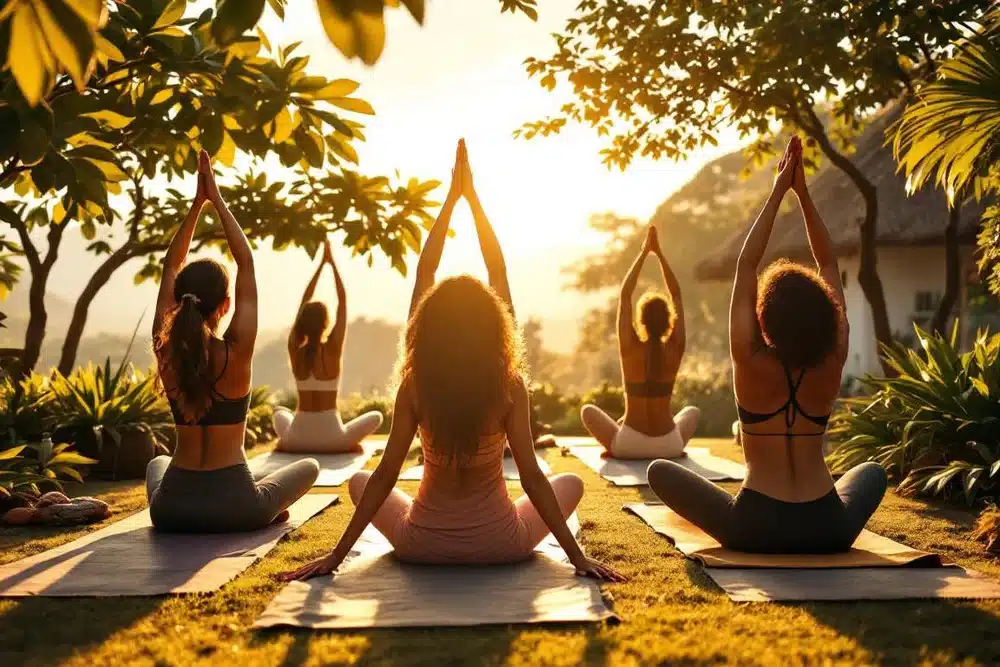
x=222, y=411
x=790, y=408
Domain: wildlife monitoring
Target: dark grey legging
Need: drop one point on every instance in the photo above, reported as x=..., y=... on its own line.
x=756, y=523
x=225, y=500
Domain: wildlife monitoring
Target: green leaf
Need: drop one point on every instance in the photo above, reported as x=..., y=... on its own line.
x=68, y=36
x=357, y=29
x=171, y=14
x=234, y=17
x=353, y=104
x=33, y=142
x=12, y=453
x=28, y=56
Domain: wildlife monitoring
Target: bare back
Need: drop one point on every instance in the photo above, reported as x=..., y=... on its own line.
x=214, y=446
x=792, y=468
x=648, y=391
x=326, y=367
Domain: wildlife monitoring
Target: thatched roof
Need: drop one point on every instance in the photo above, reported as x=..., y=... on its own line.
x=916, y=220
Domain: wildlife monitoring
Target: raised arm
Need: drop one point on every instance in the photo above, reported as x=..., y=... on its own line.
x=744, y=330
x=243, y=327
x=539, y=490
x=430, y=254
x=496, y=267
x=339, y=334
x=404, y=428
x=821, y=246
x=293, y=340
x=678, y=337
x=626, y=326
x=177, y=254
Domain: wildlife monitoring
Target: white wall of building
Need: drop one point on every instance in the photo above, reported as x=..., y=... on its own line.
x=911, y=277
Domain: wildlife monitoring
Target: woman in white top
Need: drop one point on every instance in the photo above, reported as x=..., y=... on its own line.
x=316, y=427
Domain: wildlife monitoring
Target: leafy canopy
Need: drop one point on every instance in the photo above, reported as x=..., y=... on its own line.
x=161, y=89
x=42, y=38
x=662, y=79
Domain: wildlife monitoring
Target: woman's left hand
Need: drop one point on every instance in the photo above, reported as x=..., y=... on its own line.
x=327, y=252
x=317, y=568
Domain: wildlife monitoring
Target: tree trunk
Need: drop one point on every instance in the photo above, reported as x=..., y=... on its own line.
x=952, y=272
x=868, y=278
x=67, y=359
x=37, y=319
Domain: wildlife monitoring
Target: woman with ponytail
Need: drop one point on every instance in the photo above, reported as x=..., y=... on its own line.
x=316, y=426
x=788, y=338
x=207, y=486
x=650, y=358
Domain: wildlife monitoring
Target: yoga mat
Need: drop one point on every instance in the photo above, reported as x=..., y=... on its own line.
x=509, y=470
x=374, y=590
x=870, y=550
x=129, y=558
x=876, y=568
x=334, y=469
x=632, y=472
x=862, y=583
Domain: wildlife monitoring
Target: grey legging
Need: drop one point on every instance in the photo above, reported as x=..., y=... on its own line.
x=756, y=523
x=225, y=500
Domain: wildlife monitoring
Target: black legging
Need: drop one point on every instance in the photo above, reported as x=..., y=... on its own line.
x=755, y=523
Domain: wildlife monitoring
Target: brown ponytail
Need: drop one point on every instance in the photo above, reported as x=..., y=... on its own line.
x=182, y=345
x=309, y=329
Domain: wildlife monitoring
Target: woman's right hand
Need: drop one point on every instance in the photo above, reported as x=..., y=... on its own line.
x=595, y=569
x=327, y=252
x=206, y=177
x=786, y=167
x=799, y=175
x=318, y=568
x=457, y=174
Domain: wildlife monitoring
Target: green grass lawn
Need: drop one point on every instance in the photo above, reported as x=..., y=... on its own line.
x=671, y=613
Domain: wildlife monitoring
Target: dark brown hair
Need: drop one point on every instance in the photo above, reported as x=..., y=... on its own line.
x=657, y=318
x=182, y=344
x=309, y=329
x=462, y=357
x=798, y=314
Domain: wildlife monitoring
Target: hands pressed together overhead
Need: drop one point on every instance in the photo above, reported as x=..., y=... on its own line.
x=461, y=174
x=208, y=190
x=790, y=173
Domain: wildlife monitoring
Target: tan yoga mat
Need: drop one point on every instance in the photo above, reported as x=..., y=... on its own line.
x=334, y=469
x=510, y=471
x=374, y=590
x=632, y=472
x=870, y=550
x=129, y=558
x=845, y=584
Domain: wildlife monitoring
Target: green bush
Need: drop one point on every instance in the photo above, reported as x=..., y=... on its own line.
x=709, y=387
x=25, y=415
x=936, y=426
x=43, y=466
x=609, y=398
x=356, y=405
x=260, y=418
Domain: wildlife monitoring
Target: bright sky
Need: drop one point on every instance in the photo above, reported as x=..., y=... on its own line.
x=460, y=75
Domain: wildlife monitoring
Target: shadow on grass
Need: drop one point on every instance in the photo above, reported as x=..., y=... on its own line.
x=484, y=645
x=51, y=631
x=918, y=632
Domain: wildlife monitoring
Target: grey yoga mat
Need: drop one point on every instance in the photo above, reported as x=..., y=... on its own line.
x=632, y=472
x=129, y=558
x=374, y=590
x=509, y=470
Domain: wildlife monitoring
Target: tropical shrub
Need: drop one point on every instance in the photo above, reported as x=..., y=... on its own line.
x=608, y=397
x=26, y=409
x=936, y=426
x=260, y=424
x=27, y=468
x=120, y=417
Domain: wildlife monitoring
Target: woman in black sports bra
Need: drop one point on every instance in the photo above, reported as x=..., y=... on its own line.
x=788, y=340
x=207, y=486
x=649, y=429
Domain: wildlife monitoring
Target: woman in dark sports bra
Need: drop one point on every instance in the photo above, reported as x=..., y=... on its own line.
x=316, y=427
x=207, y=486
x=649, y=429
x=788, y=340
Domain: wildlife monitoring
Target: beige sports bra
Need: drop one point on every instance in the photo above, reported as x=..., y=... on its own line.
x=313, y=384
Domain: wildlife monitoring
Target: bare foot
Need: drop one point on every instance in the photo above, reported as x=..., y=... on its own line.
x=282, y=517
x=543, y=441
